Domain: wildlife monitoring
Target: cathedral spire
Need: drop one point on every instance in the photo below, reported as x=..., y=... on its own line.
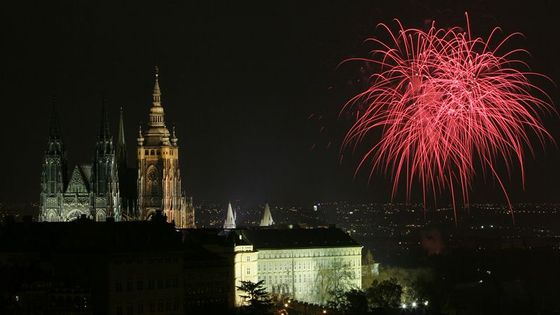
x=55, y=145
x=54, y=127
x=140, y=138
x=121, y=143
x=229, y=223
x=156, y=95
x=156, y=111
x=104, y=139
x=104, y=131
x=174, y=137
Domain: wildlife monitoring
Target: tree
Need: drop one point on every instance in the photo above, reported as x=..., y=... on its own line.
x=350, y=302
x=385, y=294
x=415, y=282
x=332, y=279
x=257, y=298
x=367, y=270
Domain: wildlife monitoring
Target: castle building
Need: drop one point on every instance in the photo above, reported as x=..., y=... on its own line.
x=92, y=190
x=307, y=265
x=159, y=174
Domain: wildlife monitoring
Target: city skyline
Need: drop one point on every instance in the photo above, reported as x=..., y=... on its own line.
x=245, y=99
x=294, y=157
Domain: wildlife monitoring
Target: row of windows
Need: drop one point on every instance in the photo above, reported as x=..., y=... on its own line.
x=305, y=265
x=299, y=278
x=150, y=285
x=155, y=152
x=315, y=253
x=157, y=118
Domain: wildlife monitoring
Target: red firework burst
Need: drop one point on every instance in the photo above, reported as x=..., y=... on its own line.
x=446, y=102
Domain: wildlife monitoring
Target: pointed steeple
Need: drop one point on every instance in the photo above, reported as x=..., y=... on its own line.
x=53, y=179
x=140, y=138
x=174, y=139
x=104, y=139
x=156, y=94
x=121, y=143
x=156, y=111
x=229, y=223
x=104, y=131
x=55, y=145
x=267, y=217
x=54, y=127
x=156, y=133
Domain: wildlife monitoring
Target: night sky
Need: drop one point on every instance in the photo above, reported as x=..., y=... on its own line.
x=239, y=80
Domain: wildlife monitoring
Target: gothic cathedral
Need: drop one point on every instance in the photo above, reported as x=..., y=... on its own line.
x=108, y=188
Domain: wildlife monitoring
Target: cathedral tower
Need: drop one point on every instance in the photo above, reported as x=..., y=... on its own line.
x=53, y=177
x=159, y=175
x=127, y=175
x=104, y=177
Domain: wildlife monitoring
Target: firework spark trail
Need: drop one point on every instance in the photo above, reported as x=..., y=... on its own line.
x=446, y=102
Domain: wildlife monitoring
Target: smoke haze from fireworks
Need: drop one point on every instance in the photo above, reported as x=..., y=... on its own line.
x=447, y=105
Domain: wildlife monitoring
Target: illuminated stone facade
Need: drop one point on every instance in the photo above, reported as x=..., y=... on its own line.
x=245, y=267
x=92, y=190
x=159, y=174
x=306, y=264
x=107, y=187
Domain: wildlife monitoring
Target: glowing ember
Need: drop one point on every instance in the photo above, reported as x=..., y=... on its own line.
x=446, y=102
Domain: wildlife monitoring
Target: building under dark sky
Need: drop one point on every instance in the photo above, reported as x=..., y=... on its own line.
x=239, y=80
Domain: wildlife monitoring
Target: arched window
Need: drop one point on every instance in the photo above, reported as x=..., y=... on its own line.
x=153, y=180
